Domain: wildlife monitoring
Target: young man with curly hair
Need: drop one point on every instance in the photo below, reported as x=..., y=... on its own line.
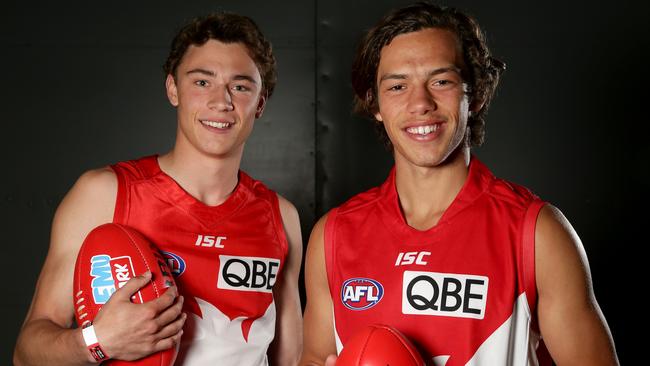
x=473, y=269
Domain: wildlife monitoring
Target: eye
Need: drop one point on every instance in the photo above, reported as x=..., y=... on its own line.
x=397, y=87
x=201, y=83
x=443, y=82
x=241, y=88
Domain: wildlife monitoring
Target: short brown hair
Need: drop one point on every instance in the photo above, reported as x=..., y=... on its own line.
x=481, y=71
x=227, y=28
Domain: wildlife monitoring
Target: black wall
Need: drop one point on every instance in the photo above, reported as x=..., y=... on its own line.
x=82, y=87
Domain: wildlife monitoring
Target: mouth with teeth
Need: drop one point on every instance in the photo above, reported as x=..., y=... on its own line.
x=423, y=130
x=216, y=124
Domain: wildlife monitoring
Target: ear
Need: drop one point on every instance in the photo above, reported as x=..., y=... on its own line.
x=261, y=103
x=377, y=114
x=172, y=91
x=476, y=105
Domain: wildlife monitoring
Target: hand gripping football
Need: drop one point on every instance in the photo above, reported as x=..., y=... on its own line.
x=379, y=345
x=110, y=255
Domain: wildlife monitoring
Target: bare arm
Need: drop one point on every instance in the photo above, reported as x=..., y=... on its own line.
x=319, y=328
x=572, y=325
x=46, y=336
x=287, y=345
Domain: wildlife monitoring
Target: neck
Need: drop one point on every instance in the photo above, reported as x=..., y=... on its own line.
x=426, y=192
x=209, y=179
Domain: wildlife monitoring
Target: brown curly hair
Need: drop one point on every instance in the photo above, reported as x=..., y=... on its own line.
x=227, y=28
x=481, y=71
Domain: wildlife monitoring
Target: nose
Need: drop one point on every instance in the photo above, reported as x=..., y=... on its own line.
x=221, y=99
x=421, y=100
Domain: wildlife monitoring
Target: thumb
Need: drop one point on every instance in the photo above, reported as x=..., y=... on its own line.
x=331, y=360
x=133, y=286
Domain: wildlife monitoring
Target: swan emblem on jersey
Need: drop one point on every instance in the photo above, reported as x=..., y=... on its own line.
x=240, y=297
x=215, y=337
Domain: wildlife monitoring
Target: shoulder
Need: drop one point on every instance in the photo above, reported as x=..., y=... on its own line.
x=553, y=229
x=137, y=169
x=97, y=180
x=252, y=184
x=511, y=193
x=316, y=244
x=360, y=201
x=89, y=203
x=92, y=188
x=483, y=181
x=315, y=256
x=291, y=225
x=560, y=257
x=287, y=209
x=319, y=228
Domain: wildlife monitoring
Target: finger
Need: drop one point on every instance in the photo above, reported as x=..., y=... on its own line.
x=168, y=342
x=172, y=328
x=165, y=300
x=331, y=360
x=133, y=286
x=171, y=313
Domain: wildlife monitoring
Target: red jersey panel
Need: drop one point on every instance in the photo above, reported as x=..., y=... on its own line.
x=462, y=291
x=225, y=259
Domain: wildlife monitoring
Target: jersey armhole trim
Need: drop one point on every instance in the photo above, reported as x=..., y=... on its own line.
x=279, y=222
x=120, y=215
x=530, y=222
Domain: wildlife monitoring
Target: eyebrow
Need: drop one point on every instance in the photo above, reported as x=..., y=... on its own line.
x=245, y=77
x=433, y=72
x=213, y=74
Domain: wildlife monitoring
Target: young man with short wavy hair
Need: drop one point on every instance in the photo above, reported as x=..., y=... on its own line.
x=236, y=245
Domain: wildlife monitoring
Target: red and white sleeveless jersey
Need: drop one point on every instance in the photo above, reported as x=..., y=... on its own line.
x=462, y=291
x=225, y=259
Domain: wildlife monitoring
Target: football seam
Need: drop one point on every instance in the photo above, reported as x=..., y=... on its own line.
x=76, y=291
x=396, y=335
x=365, y=345
x=144, y=259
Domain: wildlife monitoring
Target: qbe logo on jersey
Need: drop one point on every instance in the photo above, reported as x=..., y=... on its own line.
x=444, y=294
x=247, y=273
x=110, y=274
x=361, y=293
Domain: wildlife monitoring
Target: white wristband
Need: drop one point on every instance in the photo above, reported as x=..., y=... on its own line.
x=89, y=335
x=90, y=338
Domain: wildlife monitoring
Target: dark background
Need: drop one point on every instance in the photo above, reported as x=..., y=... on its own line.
x=82, y=87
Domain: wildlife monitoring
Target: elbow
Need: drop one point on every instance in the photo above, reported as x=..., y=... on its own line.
x=17, y=359
x=21, y=355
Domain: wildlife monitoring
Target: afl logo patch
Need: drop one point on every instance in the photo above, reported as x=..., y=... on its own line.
x=361, y=293
x=175, y=262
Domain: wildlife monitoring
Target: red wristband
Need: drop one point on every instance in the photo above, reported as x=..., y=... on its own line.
x=88, y=333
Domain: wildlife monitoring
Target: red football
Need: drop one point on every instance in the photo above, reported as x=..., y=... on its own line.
x=379, y=345
x=110, y=255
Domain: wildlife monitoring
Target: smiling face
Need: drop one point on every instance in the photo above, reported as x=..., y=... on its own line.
x=422, y=98
x=218, y=94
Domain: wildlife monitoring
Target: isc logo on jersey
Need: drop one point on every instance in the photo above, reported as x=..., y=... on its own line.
x=175, y=263
x=361, y=293
x=444, y=294
x=256, y=274
x=110, y=274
